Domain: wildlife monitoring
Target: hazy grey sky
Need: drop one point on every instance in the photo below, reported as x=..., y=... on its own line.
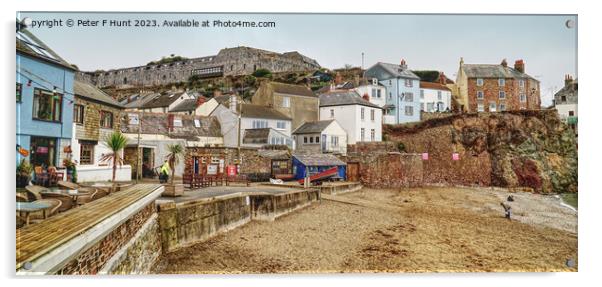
x=435, y=42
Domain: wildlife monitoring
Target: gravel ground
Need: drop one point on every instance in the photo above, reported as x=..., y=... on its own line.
x=408, y=230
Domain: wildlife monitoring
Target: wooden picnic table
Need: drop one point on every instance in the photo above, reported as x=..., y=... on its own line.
x=29, y=207
x=74, y=193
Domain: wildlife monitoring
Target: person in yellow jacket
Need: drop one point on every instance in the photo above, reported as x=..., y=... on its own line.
x=164, y=173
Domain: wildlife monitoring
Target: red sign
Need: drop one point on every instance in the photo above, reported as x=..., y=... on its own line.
x=231, y=170
x=42, y=149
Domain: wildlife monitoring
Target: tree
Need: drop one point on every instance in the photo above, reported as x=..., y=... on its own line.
x=116, y=142
x=175, y=152
x=262, y=73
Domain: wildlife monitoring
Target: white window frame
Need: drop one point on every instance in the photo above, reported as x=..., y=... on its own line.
x=480, y=107
x=409, y=111
x=331, y=113
x=501, y=82
x=286, y=102
x=523, y=98
x=482, y=95
x=479, y=82
x=362, y=114
x=502, y=95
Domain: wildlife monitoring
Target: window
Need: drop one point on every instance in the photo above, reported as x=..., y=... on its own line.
x=439, y=95
x=281, y=125
x=390, y=95
x=372, y=114
x=409, y=97
x=563, y=99
x=521, y=83
x=409, y=111
x=86, y=153
x=571, y=113
x=378, y=93
x=362, y=113
x=480, y=95
x=78, y=114
x=177, y=122
x=372, y=135
x=311, y=140
x=502, y=107
x=286, y=102
x=362, y=134
x=479, y=82
x=304, y=139
x=317, y=139
x=19, y=91
x=502, y=95
x=421, y=94
x=492, y=107
x=373, y=93
x=260, y=124
x=523, y=97
x=334, y=141
x=501, y=82
x=47, y=106
x=332, y=113
x=480, y=108
x=106, y=120
x=408, y=82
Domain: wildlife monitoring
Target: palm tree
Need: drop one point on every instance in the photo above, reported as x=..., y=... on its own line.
x=175, y=152
x=115, y=142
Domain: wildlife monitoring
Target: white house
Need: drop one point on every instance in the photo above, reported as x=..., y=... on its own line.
x=163, y=103
x=321, y=137
x=361, y=119
x=373, y=91
x=434, y=97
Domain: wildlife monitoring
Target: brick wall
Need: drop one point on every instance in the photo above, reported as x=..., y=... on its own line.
x=93, y=259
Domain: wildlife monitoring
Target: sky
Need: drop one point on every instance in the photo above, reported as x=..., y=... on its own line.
x=426, y=42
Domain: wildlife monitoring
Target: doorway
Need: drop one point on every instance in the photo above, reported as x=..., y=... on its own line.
x=43, y=151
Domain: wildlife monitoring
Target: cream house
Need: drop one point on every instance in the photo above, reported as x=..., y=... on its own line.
x=321, y=137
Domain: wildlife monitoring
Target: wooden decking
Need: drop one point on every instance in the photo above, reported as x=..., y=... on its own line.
x=37, y=239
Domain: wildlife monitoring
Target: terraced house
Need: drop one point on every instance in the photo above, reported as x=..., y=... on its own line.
x=494, y=88
x=95, y=116
x=296, y=102
x=44, y=92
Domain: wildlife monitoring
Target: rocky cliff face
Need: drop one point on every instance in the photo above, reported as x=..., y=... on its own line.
x=511, y=149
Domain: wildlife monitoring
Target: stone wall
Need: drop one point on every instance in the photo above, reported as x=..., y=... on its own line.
x=513, y=90
x=229, y=62
x=271, y=206
x=252, y=164
x=513, y=149
x=191, y=222
x=94, y=258
x=90, y=128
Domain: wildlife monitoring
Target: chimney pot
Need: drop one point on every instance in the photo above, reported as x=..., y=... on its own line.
x=519, y=65
x=504, y=63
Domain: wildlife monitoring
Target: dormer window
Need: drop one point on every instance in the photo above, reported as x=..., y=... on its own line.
x=374, y=81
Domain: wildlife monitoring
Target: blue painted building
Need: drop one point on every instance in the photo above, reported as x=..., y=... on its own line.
x=403, y=90
x=310, y=164
x=44, y=108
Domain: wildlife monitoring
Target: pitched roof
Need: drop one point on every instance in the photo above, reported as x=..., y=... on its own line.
x=274, y=154
x=163, y=100
x=261, y=112
x=158, y=123
x=29, y=44
x=433, y=86
x=492, y=71
x=295, y=90
x=313, y=127
x=89, y=92
x=139, y=100
x=256, y=136
x=397, y=70
x=185, y=106
x=343, y=98
x=319, y=159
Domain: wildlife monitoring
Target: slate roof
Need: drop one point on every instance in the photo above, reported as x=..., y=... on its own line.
x=344, y=98
x=274, y=154
x=313, y=127
x=295, y=90
x=261, y=112
x=256, y=136
x=89, y=92
x=318, y=159
x=29, y=44
x=493, y=71
x=185, y=106
x=163, y=100
x=139, y=100
x=158, y=123
x=397, y=70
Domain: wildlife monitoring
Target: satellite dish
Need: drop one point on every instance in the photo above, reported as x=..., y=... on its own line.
x=570, y=24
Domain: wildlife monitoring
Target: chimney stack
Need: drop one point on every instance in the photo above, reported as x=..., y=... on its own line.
x=504, y=63
x=338, y=79
x=568, y=79
x=519, y=65
x=403, y=64
x=441, y=78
